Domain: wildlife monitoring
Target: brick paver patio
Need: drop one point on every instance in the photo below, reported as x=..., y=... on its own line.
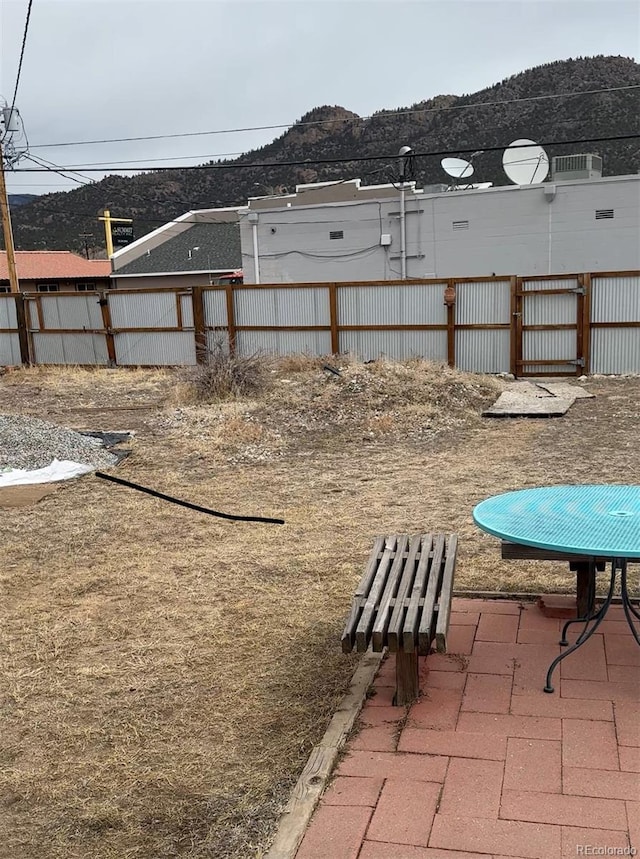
x=486, y=765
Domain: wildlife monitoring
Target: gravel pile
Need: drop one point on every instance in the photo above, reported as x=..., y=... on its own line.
x=31, y=443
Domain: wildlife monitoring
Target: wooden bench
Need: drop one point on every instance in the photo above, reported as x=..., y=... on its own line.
x=403, y=602
x=583, y=565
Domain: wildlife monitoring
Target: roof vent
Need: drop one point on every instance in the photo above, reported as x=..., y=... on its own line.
x=336, y=234
x=602, y=214
x=585, y=166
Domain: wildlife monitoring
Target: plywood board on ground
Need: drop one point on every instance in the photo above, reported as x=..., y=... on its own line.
x=512, y=405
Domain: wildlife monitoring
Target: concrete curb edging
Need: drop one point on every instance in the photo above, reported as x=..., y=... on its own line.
x=314, y=777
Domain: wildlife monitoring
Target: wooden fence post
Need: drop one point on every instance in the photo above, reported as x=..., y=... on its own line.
x=450, y=301
x=333, y=318
x=231, y=318
x=586, y=324
x=23, y=335
x=103, y=301
x=513, y=331
x=200, y=331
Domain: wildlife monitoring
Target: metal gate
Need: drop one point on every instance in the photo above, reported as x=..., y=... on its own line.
x=549, y=326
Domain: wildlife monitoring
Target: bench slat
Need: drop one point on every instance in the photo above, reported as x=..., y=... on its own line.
x=444, y=602
x=426, y=629
x=410, y=625
x=394, y=631
x=387, y=601
x=349, y=635
x=365, y=623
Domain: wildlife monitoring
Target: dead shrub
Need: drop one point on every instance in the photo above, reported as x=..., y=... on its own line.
x=227, y=376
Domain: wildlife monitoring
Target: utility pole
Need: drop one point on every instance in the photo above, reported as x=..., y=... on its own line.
x=14, y=283
x=108, y=220
x=85, y=237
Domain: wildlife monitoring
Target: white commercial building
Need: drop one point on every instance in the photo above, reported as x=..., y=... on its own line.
x=349, y=232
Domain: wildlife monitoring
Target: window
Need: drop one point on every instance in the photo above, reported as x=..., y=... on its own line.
x=85, y=287
x=4, y=289
x=601, y=214
x=336, y=234
x=47, y=287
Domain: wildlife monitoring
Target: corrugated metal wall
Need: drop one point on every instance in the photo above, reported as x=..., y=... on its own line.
x=398, y=345
x=9, y=341
x=419, y=304
x=271, y=306
x=215, y=307
x=69, y=348
x=483, y=303
x=164, y=349
x=130, y=310
x=71, y=311
x=615, y=349
x=283, y=342
x=85, y=345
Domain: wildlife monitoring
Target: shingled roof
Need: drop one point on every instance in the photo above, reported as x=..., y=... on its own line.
x=54, y=265
x=203, y=247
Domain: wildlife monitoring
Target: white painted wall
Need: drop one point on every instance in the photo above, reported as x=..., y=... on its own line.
x=512, y=230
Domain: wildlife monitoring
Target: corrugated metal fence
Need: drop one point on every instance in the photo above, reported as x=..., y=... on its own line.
x=547, y=325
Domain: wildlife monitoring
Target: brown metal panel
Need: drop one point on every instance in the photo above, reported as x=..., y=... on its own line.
x=23, y=338
x=231, y=316
x=333, y=317
x=197, y=299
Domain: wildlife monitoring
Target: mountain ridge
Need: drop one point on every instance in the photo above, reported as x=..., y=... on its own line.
x=451, y=123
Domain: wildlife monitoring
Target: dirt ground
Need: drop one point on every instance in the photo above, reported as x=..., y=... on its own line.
x=164, y=674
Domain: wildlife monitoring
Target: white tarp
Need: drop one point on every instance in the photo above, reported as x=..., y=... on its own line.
x=58, y=470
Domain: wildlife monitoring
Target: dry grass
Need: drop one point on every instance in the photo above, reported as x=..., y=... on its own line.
x=165, y=674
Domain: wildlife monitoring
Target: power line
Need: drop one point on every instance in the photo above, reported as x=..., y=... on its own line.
x=352, y=159
x=24, y=42
x=84, y=180
x=380, y=115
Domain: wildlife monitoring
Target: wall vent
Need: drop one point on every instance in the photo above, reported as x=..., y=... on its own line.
x=460, y=225
x=336, y=234
x=602, y=214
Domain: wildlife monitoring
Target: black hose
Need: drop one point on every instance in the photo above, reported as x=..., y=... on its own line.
x=187, y=503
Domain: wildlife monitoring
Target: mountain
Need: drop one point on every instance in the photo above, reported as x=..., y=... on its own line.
x=16, y=200
x=445, y=123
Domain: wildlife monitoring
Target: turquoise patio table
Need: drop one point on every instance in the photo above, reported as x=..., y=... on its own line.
x=599, y=521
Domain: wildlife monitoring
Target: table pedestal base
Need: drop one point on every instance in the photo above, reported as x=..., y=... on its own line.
x=593, y=618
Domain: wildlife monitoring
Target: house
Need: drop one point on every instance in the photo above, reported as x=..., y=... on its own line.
x=55, y=271
x=200, y=248
x=349, y=232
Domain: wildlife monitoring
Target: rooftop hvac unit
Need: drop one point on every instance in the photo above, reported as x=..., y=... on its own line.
x=586, y=166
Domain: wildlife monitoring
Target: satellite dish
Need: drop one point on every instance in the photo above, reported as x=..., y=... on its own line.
x=457, y=167
x=525, y=163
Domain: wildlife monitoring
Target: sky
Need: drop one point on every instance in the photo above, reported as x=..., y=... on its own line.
x=96, y=70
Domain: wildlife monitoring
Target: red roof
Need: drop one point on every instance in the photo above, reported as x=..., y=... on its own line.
x=54, y=265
